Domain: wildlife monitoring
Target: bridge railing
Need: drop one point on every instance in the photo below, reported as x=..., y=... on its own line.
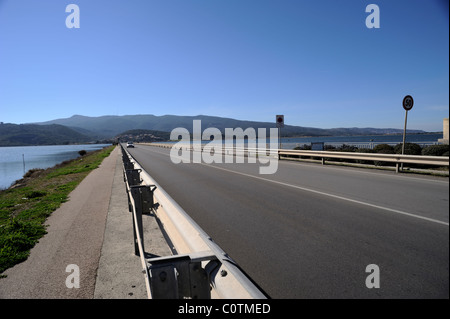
x=200, y=268
x=392, y=158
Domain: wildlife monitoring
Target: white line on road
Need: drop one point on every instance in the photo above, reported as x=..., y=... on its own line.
x=333, y=196
x=329, y=195
x=367, y=172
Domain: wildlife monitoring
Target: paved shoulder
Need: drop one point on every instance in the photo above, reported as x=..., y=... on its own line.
x=119, y=272
x=75, y=237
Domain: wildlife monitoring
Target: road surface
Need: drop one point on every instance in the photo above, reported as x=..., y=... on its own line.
x=310, y=231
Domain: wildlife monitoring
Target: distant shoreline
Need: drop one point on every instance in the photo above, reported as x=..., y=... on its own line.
x=357, y=135
x=70, y=144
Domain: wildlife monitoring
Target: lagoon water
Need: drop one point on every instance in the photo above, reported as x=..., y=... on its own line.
x=12, y=159
x=291, y=142
x=421, y=139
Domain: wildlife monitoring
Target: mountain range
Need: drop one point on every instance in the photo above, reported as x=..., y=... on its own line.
x=33, y=134
x=110, y=126
x=80, y=129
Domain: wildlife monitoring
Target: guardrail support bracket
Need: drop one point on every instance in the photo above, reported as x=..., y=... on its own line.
x=180, y=276
x=133, y=176
x=143, y=199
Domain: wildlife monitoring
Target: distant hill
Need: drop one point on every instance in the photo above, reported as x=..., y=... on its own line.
x=143, y=136
x=31, y=134
x=110, y=126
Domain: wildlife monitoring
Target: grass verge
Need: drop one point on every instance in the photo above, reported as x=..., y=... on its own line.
x=25, y=207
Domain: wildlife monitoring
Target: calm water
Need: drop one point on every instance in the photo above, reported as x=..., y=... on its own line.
x=376, y=139
x=289, y=143
x=12, y=158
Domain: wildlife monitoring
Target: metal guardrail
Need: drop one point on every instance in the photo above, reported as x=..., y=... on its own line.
x=132, y=181
x=392, y=158
x=200, y=269
x=360, y=145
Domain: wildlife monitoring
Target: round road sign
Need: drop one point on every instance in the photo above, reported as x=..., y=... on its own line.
x=280, y=120
x=408, y=102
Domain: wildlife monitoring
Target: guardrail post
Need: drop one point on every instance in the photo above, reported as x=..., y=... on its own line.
x=143, y=201
x=133, y=176
x=136, y=193
x=180, y=276
x=128, y=164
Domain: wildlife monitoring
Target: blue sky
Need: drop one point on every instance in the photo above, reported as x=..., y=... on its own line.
x=316, y=62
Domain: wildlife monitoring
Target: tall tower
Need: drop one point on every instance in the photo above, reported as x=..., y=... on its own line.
x=445, y=138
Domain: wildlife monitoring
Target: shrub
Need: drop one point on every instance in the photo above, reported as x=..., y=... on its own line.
x=304, y=147
x=435, y=150
x=347, y=148
x=33, y=172
x=16, y=239
x=384, y=149
x=365, y=150
x=343, y=148
x=410, y=149
x=35, y=194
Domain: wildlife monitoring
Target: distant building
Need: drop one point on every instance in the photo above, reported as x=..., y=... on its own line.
x=445, y=137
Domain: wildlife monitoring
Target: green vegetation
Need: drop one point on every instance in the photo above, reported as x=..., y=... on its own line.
x=436, y=150
x=410, y=149
x=384, y=149
x=25, y=207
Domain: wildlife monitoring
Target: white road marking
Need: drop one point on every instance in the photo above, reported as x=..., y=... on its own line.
x=333, y=196
x=328, y=195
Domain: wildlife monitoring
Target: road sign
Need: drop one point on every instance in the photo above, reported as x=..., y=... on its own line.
x=279, y=120
x=408, y=102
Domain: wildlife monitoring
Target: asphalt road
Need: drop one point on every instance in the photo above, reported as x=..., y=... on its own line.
x=310, y=231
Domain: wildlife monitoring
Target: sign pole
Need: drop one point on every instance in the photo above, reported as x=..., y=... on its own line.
x=279, y=142
x=279, y=138
x=408, y=103
x=279, y=120
x=404, y=136
x=404, y=133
